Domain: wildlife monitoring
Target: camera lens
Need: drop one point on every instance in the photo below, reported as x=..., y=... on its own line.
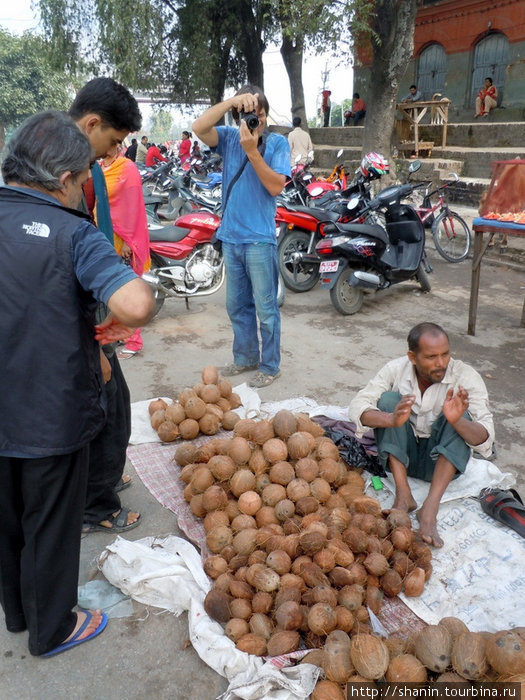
x=251, y=119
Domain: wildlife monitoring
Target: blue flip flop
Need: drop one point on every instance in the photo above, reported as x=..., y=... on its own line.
x=75, y=641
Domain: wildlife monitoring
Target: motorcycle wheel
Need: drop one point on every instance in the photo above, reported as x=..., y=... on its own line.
x=157, y=293
x=297, y=277
x=281, y=292
x=345, y=298
x=422, y=278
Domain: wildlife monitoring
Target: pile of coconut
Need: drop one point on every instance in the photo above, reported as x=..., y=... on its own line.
x=447, y=652
x=298, y=551
x=201, y=409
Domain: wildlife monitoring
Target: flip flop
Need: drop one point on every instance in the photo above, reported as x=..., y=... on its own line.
x=119, y=523
x=75, y=641
x=123, y=484
x=504, y=506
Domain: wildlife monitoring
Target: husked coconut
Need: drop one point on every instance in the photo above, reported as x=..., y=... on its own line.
x=468, y=656
x=369, y=656
x=210, y=375
x=433, y=646
x=328, y=690
x=252, y=644
x=506, y=652
x=284, y=424
x=406, y=668
x=168, y=431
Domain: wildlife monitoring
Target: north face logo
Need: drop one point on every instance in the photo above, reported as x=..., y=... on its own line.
x=37, y=229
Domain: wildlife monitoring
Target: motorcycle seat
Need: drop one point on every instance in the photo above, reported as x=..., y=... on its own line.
x=319, y=214
x=173, y=234
x=152, y=199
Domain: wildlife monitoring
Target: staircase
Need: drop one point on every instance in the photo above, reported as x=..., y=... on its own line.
x=471, y=146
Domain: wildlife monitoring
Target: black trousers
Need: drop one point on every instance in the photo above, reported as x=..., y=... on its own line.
x=107, y=452
x=41, y=508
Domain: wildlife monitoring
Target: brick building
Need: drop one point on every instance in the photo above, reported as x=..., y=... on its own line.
x=457, y=43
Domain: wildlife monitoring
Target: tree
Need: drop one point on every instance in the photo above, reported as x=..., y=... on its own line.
x=161, y=125
x=29, y=84
x=392, y=47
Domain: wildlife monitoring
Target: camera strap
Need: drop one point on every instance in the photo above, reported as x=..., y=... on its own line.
x=261, y=147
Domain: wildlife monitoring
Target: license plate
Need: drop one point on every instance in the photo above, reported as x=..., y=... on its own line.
x=329, y=266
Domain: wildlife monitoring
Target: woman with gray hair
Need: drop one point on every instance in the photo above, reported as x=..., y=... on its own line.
x=56, y=265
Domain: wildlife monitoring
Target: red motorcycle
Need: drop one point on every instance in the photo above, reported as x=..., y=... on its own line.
x=184, y=262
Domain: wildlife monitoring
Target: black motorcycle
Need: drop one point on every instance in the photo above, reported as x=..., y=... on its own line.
x=388, y=249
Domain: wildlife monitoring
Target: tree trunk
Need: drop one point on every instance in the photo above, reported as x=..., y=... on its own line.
x=292, y=53
x=251, y=45
x=394, y=24
x=2, y=137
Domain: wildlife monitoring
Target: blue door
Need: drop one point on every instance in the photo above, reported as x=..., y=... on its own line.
x=432, y=65
x=491, y=57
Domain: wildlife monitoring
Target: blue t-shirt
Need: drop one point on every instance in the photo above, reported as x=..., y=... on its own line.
x=250, y=211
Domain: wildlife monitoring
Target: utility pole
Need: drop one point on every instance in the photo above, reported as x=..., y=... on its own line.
x=324, y=77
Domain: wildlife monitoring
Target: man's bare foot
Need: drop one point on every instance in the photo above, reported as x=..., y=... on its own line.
x=405, y=501
x=90, y=628
x=428, y=528
x=132, y=518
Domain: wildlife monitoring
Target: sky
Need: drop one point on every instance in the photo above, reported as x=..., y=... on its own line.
x=318, y=71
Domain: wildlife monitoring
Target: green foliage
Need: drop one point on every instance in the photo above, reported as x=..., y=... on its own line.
x=161, y=125
x=29, y=83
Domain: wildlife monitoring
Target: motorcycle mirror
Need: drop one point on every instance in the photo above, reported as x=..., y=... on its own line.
x=454, y=176
x=352, y=203
x=340, y=152
x=311, y=155
x=414, y=166
x=298, y=158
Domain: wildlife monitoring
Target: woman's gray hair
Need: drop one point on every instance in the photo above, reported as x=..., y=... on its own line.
x=43, y=148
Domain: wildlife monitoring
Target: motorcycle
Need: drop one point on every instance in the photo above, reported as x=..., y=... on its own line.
x=300, y=230
x=368, y=257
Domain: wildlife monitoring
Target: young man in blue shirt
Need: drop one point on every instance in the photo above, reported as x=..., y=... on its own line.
x=256, y=164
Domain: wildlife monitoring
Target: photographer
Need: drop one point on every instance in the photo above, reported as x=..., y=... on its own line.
x=255, y=168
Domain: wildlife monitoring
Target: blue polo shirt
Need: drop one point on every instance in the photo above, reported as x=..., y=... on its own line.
x=250, y=211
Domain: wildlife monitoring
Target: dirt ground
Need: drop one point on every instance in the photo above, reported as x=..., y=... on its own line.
x=325, y=356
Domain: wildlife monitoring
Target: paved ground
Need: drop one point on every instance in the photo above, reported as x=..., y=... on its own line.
x=325, y=356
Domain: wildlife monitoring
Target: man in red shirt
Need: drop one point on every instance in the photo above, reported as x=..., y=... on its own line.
x=154, y=156
x=357, y=112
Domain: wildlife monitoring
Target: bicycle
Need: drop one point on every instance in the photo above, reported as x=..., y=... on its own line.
x=451, y=234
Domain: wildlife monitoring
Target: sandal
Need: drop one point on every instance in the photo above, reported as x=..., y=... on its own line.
x=504, y=506
x=261, y=379
x=233, y=369
x=119, y=523
x=124, y=354
x=121, y=485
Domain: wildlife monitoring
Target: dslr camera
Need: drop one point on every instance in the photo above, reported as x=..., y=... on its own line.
x=251, y=119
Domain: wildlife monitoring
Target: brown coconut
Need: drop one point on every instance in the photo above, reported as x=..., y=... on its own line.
x=284, y=424
x=214, y=498
x=184, y=454
x=468, y=656
x=175, y=412
x=406, y=668
x=210, y=375
x=322, y=619
x=328, y=690
x=230, y=420
x=239, y=450
x=262, y=431
x=261, y=625
x=369, y=656
x=210, y=393
x=506, y=652
x=157, y=418
x=236, y=628
x=243, y=428
x=217, y=605
x=243, y=480
x=195, y=407
x=454, y=625
x=157, y=405
x=222, y=467
x=282, y=473
x=300, y=444
x=252, y=644
x=168, y=431
x=249, y=502
x=275, y=450
x=288, y=616
x=433, y=646
x=188, y=429
x=414, y=583
x=391, y=583
x=283, y=642
x=337, y=664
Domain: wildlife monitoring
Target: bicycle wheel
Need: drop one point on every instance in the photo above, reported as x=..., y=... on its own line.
x=452, y=236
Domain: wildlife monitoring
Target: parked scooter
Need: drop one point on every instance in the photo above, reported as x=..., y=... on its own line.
x=369, y=257
x=300, y=231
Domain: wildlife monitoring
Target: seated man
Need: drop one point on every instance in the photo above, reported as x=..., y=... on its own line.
x=413, y=96
x=357, y=112
x=428, y=411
